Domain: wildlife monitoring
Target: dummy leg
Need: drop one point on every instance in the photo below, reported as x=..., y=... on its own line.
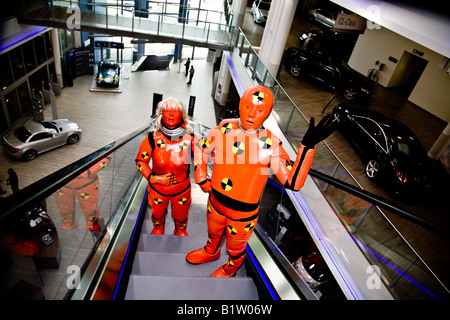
x=88, y=198
x=65, y=201
x=159, y=204
x=238, y=233
x=216, y=235
x=180, y=211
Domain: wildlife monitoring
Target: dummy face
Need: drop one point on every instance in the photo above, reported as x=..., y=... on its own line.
x=171, y=117
x=254, y=108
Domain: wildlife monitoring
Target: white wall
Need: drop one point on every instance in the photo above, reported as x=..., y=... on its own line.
x=432, y=91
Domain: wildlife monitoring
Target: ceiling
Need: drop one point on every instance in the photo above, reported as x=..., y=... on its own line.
x=427, y=24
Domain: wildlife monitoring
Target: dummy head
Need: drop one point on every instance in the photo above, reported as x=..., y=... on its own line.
x=171, y=114
x=255, y=107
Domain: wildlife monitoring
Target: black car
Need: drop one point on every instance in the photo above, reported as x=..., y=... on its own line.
x=391, y=152
x=339, y=44
x=331, y=71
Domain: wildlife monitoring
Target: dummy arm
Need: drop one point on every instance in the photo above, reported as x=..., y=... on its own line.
x=305, y=155
x=202, y=148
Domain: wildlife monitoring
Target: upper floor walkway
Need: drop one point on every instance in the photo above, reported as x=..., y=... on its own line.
x=201, y=23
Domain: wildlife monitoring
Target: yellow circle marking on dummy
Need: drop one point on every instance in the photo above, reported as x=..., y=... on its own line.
x=249, y=227
x=160, y=143
x=84, y=195
x=226, y=128
x=139, y=166
x=238, y=148
x=145, y=155
x=289, y=165
x=258, y=96
x=232, y=230
x=182, y=201
x=59, y=192
x=226, y=184
x=157, y=201
x=183, y=145
x=265, y=142
x=205, y=143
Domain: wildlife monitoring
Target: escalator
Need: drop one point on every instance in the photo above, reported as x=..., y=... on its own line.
x=125, y=262
x=160, y=270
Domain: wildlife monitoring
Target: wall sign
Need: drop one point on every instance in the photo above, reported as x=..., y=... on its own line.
x=349, y=22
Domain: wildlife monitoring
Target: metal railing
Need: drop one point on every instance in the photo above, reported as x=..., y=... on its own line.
x=162, y=21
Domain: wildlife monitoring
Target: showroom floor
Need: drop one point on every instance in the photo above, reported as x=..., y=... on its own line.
x=105, y=117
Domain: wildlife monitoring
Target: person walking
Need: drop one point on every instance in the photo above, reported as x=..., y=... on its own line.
x=13, y=180
x=191, y=74
x=188, y=62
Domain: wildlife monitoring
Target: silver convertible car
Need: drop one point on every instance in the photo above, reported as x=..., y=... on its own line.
x=34, y=137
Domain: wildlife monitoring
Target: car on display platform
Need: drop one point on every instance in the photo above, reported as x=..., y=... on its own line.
x=260, y=11
x=108, y=74
x=392, y=154
x=33, y=138
x=322, y=16
x=331, y=71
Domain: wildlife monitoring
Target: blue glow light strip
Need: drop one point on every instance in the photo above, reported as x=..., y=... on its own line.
x=144, y=201
x=400, y=272
x=233, y=73
x=4, y=47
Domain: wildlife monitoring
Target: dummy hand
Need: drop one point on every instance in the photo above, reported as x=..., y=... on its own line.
x=166, y=179
x=205, y=186
x=323, y=130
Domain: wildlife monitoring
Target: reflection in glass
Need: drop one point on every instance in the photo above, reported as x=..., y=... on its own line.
x=15, y=56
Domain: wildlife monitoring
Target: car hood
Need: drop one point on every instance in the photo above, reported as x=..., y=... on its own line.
x=66, y=125
x=358, y=79
x=107, y=73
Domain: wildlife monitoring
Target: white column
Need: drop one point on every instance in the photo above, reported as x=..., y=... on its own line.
x=57, y=55
x=238, y=9
x=441, y=144
x=223, y=82
x=276, y=32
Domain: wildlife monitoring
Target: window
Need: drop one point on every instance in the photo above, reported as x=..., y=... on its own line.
x=17, y=65
x=41, y=136
x=28, y=56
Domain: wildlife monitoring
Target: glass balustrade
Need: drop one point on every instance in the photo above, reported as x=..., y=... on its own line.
x=401, y=268
x=197, y=22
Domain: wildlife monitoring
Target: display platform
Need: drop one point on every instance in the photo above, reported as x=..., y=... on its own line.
x=96, y=88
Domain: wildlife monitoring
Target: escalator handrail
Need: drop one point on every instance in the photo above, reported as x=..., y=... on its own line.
x=35, y=193
x=378, y=201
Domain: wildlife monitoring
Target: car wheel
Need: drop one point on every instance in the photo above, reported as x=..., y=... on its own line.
x=295, y=70
x=29, y=155
x=349, y=94
x=73, y=138
x=372, y=169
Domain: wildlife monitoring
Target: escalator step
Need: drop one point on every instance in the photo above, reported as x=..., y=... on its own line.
x=175, y=265
x=186, y=288
x=193, y=228
x=169, y=243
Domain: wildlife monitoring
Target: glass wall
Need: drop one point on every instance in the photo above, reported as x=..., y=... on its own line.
x=25, y=68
